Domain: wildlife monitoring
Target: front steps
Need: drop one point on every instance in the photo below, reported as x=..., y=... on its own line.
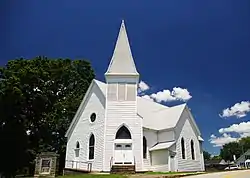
x=123, y=169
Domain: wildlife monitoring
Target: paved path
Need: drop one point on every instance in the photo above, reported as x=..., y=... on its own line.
x=229, y=174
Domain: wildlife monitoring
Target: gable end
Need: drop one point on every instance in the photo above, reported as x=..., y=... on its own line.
x=191, y=119
x=81, y=108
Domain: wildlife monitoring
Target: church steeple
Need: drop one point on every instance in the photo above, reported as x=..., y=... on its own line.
x=122, y=62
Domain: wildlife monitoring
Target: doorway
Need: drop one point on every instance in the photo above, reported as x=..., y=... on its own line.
x=123, y=153
x=172, y=162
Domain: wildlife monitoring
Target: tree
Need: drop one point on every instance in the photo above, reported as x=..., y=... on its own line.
x=235, y=148
x=216, y=157
x=245, y=143
x=206, y=155
x=38, y=100
x=230, y=149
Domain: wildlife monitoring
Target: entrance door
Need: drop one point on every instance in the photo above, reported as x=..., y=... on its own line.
x=172, y=163
x=128, y=153
x=123, y=153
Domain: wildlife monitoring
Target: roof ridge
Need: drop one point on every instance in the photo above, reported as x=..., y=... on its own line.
x=170, y=107
x=154, y=102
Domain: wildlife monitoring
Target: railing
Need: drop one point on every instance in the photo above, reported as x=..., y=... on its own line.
x=111, y=162
x=78, y=165
x=134, y=162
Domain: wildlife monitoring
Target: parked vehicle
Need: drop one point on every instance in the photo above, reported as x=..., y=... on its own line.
x=232, y=167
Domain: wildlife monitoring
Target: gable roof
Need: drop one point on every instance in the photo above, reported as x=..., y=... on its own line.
x=155, y=116
x=122, y=61
x=242, y=156
x=215, y=161
x=162, y=119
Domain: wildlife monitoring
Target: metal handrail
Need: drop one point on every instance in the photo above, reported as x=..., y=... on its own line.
x=89, y=165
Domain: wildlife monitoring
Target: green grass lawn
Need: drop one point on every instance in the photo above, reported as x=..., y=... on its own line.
x=125, y=176
x=94, y=176
x=174, y=173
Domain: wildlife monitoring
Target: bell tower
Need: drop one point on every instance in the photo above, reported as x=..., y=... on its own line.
x=121, y=103
x=122, y=67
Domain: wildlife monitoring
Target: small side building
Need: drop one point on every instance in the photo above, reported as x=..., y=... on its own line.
x=46, y=165
x=215, y=164
x=244, y=160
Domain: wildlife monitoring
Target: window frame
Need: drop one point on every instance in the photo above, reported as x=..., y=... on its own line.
x=144, y=143
x=192, y=149
x=91, y=148
x=95, y=116
x=124, y=92
x=48, y=172
x=123, y=133
x=183, y=149
x=112, y=96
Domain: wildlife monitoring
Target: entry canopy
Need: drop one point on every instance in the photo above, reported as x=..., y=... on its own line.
x=161, y=146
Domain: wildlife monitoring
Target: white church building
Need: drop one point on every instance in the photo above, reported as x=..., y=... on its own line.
x=113, y=126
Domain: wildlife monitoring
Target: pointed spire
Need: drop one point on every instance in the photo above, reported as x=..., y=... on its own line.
x=122, y=62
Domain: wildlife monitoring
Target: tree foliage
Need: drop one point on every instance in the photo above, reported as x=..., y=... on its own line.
x=206, y=155
x=216, y=157
x=38, y=100
x=235, y=148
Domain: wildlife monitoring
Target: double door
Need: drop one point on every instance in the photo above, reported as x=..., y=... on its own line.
x=123, y=153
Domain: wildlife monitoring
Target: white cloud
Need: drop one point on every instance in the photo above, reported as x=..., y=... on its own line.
x=143, y=87
x=177, y=93
x=181, y=94
x=242, y=130
x=220, y=141
x=147, y=97
x=239, y=110
x=164, y=95
x=212, y=136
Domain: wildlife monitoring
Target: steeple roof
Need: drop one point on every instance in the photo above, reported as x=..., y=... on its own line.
x=122, y=62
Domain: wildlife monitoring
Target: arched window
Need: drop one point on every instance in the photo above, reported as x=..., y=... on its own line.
x=123, y=133
x=144, y=147
x=183, y=148
x=91, y=146
x=192, y=149
x=77, y=145
x=77, y=149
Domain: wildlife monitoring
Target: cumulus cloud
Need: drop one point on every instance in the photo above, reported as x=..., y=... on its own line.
x=242, y=130
x=147, y=97
x=164, y=95
x=239, y=110
x=181, y=94
x=177, y=93
x=143, y=87
x=220, y=141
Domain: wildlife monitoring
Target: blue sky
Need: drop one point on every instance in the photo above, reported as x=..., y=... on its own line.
x=201, y=46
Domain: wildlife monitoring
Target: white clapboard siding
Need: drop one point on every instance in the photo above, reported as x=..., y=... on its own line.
x=95, y=103
x=120, y=113
x=186, y=130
